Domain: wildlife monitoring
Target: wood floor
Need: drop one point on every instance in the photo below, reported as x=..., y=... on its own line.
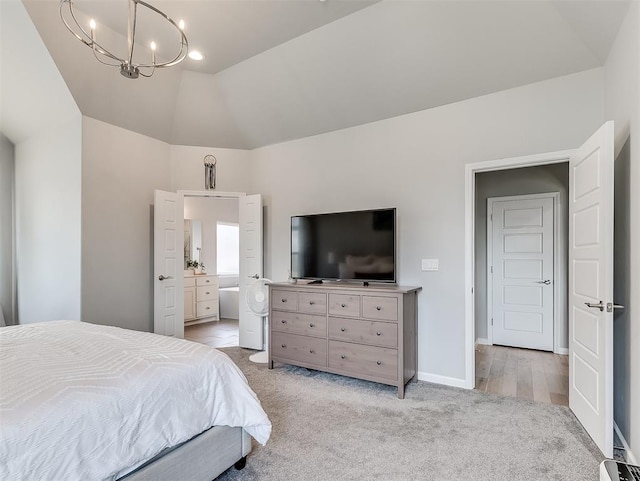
x=222, y=333
x=523, y=373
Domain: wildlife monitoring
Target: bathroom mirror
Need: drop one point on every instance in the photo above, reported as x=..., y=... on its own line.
x=192, y=240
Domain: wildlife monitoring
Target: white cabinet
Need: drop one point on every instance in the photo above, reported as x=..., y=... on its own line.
x=189, y=303
x=201, y=299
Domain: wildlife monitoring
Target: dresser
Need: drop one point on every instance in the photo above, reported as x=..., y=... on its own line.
x=363, y=332
x=201, y=299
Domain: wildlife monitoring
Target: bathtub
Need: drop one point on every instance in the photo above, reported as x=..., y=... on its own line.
x=229, y=302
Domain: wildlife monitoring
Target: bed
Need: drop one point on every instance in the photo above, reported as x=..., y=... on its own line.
x=88, y=402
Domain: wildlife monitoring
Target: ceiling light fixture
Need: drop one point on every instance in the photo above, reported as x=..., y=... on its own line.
x=128, y=67
x=195, y=55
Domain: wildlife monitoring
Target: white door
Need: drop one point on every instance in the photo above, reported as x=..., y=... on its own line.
x=591, y=287
x=250, y=220
x=168, y=313
x=521, y=261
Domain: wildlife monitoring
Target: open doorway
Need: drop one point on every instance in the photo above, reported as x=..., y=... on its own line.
x=211, y=270
x=590, y=257
x=520, y=244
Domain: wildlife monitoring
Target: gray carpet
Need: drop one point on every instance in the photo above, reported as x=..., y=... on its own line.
x=328, y=427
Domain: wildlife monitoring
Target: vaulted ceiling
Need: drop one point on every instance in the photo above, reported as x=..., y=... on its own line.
x=277, y=70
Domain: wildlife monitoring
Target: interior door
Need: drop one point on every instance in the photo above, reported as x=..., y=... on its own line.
x=251, y=267
x=521, y=269
x=168, y=312
x=591, y=286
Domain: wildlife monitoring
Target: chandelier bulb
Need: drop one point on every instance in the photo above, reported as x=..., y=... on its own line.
x=153, y=46
x=181, y=24
x=92, y=24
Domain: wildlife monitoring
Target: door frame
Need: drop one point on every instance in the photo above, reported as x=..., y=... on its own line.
x=199, y=193
x=559, y=259
x=470, y=171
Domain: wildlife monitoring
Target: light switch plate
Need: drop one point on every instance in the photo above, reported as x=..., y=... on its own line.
x=430, y=264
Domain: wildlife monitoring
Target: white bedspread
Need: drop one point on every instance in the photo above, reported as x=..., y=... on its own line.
x=80, y=401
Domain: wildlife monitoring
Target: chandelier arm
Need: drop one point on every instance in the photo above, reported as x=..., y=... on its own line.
x=95, y=54
x=184, y=44
x=145, y=75
x=62, y=3
x=91, y=43
x=131, y=29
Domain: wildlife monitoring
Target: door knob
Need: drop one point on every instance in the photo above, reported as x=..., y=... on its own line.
x=546, y=282
x=162, y=277
x=255, y=276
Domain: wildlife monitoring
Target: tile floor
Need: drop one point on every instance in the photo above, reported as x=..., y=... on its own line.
x=222, y=333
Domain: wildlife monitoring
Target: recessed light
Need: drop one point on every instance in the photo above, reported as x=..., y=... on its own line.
x=195, y=55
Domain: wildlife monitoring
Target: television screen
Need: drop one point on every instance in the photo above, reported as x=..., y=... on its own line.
x=358, y=246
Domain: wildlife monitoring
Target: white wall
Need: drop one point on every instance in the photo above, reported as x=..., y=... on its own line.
x=622, y=104
x=120, y=171
x=416, y=163
x=41, y=118
x=7, y=229
x=210, y=211
x=48, y=196
x=531, y=180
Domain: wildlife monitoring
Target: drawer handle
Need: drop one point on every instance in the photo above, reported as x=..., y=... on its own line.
x=378, y=308
x=207, y=308
x=343, y=305
x=284, y=346
x=378, y=333
x=311, y=351
x=342, y=329
x=283, y=300
x=311, y=303
x=378, y=363
x=343, y=357
x=311, y=324
x=208, y=281
x=207, y=293
x=284, y=321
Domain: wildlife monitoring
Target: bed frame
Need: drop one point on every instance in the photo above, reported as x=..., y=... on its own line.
x=202, y=458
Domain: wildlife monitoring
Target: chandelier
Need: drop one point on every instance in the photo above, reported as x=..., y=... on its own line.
x=128, y=67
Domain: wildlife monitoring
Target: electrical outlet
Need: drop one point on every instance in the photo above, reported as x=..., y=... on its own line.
x=430, y=264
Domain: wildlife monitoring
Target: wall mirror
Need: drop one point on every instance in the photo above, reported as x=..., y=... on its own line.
x=192, y=240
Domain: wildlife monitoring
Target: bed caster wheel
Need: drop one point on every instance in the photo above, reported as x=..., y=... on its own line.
x=240, y=464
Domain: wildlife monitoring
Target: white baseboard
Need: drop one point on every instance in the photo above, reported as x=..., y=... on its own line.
x=564, y=351
x=483, y=341
x=629, y=457
x=437, y=379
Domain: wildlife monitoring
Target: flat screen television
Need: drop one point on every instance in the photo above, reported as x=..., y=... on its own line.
x=349, y=246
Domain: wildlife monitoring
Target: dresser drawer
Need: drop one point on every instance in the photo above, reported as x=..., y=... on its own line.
x=385, y=308
x=294, y=323
x=344, y=305
x=308, y=350
x=189, y=282
x=206, y=308
x=312, y=302
x=284, y=300
x=366, y=332
x=207, y=281
x=359, y=360
x=207, y=293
